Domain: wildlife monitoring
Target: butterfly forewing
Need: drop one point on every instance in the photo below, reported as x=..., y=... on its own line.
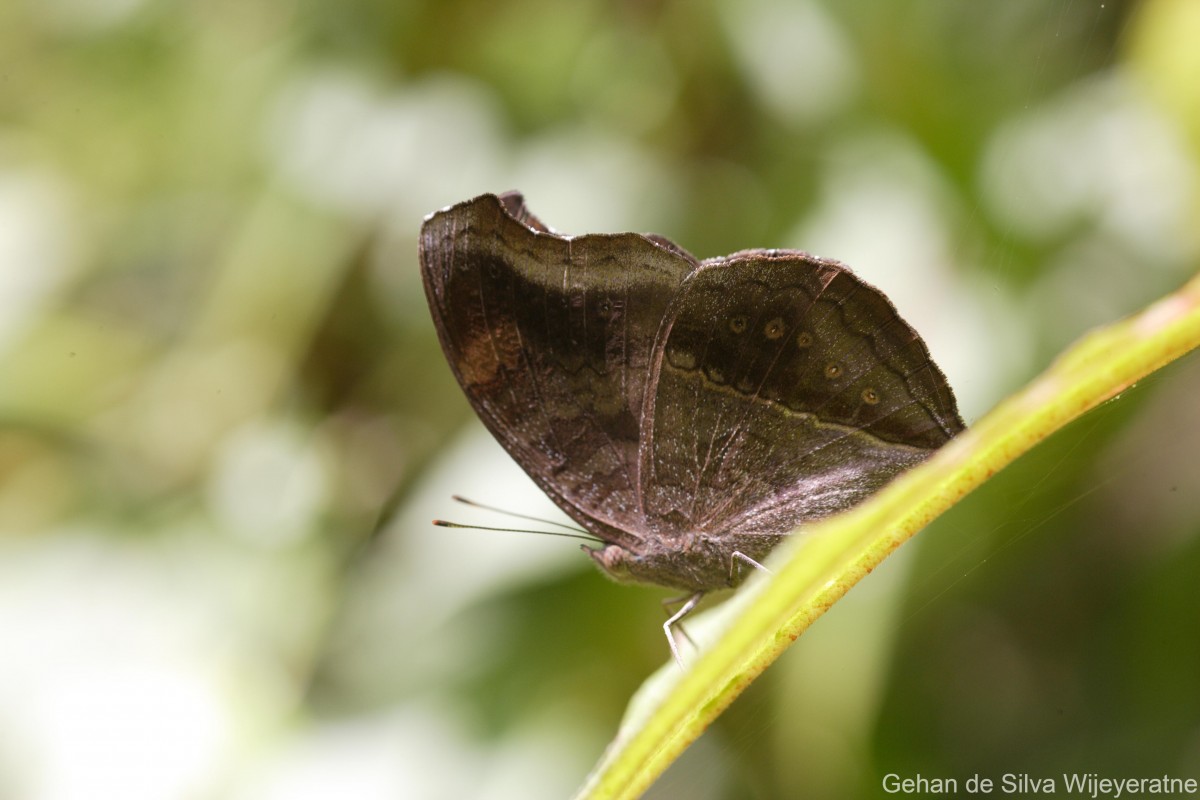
x=551, y=339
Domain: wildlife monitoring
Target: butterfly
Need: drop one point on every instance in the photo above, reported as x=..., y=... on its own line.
x=688, y=414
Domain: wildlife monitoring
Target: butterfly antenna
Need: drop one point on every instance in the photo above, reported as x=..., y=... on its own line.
x=506, y=512
x=441, y=523
x=570, y=530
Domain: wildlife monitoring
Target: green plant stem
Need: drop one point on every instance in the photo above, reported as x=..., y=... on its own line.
x=815, y=570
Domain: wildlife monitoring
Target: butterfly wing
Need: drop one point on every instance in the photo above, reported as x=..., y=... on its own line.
x=551, y=338
x=786, y=389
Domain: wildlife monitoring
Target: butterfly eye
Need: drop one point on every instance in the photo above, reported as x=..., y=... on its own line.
x=738, y=323
x=832, y=370
x=774, y=328
x=804, y=339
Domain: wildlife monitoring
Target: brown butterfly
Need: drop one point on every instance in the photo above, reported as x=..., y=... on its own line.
x=689, y=414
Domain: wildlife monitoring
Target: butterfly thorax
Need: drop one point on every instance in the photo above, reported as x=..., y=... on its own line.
x=693, y=562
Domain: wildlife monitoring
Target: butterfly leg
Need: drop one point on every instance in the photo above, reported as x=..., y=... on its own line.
x=667, y=605
x=674, y=620
x=740, y=556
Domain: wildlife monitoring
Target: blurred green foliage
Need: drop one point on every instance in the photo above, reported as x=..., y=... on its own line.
x=219, y=379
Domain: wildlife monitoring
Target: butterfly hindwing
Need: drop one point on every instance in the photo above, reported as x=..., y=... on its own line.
x=789, y=389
